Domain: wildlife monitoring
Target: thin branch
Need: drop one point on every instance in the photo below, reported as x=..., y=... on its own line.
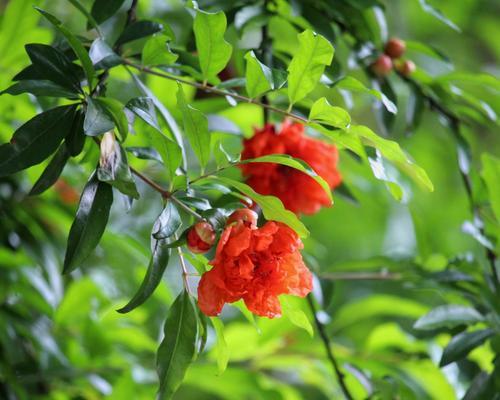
x=328, y=348
x=214, y=90
x=186, y=208
x=361, y=276
x=164, y=192
x=185, y=272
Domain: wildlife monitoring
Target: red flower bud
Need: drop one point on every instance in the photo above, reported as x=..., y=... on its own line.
x=382, y=65
x=248, y=217
x=200, y=237
x=395, y=48
x=406, y=68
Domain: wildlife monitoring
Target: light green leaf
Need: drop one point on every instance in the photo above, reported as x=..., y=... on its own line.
x=195, y=128
x=213, y=50
x=437, y=14
x=272, y=207
x=491, y=175
x=295, y=163
x=157, y=51
x=308, y=64
x=322, y=111
x=293, y=312
x=448, y=316
x=259, y=77
x=178, y=348
x=221, y=349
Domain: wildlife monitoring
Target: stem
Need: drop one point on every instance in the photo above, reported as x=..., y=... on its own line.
x=185, y=272
x=165, y=193
x=214, y=90
x=186, y=208
x=361, y=276
x=328, y=348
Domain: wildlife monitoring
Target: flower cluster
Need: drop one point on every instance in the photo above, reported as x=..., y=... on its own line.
x=298, y=191
x=256, y=265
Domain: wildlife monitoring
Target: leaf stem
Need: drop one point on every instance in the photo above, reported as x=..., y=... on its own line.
x=328, y=348
x=214, y=90
x=185, y=272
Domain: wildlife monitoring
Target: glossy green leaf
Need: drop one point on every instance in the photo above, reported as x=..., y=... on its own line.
x=114, y=168
x=36, y=140
x=491, y=176
x=144, y=108
x=114, y=109
x=167, y=222
x=322, y=111
x=272, y=207
x=102, y=55
x=156, y=268
x=75, y=44
x=144, y=153
x=39, y=88
x=75, y=140
x=102, y=10
x=462, y=344
x=195, y=128
x=222, y=350
x=89, y=224
x=97, y=120
x=178, y=348
x=138, y=30
x=308, y=64
x=448, y=316
x=213, y=50
x=295, y=163
x=157, y=51
x=259, y=77
x=52, y=172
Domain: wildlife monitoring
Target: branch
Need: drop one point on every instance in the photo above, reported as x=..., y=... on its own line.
x=214, y=90
x=361, y=276
x=328, y=348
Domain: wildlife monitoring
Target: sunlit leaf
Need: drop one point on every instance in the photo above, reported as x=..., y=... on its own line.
x=221, y=349
x=259, y=77
x=322, y=111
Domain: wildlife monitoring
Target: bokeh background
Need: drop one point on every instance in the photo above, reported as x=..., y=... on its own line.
x=60, y=337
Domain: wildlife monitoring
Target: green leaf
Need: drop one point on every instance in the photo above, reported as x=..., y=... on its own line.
x=114, y=109
x=105, y=9
x=114, y=168
x=322, y=111
x=295, y=315
x=343, y=139
x=39, y=88
x=213, y=50
x=491, y=174
x=393, y=152
x=157, y=51
x=222, y=350
x=138, y=30
x=222, y=157
x=308, y=64
x=178, y=347
x=90, y=18
x=295, y=163
x=144, y=153
x=97, y=120
x=53, y=65
x=75, y=141
x=75, y=44
x=36, y=140
x=462, y=344
x=272, y=207
x=156, y=268
x=52, y=172
x=259, y=77
x=437, y=14
x=195, y=128
x=89, y=224
x=448, y=316
x=102, y=55
x=144, y=108
x=167, y=222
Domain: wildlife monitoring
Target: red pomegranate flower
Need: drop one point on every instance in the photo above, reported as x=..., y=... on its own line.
x=298, y=191
x=256, y=265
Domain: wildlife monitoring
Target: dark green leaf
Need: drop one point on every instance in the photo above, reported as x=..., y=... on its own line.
x=89, y=224
x=97, y=120
x=115, y=110
x=178, y=347
x=138, y=30
x=144, y=108
x=76, y=138
x=105, y=9
x=448, y=316
x=156, y=268
x=195, y=127
x=102, y=55
x=144, y=153
x=39, y=88
x=461, y=344
x=52, y=171
x=157, y=51
x=168, y=222
x=36, y=140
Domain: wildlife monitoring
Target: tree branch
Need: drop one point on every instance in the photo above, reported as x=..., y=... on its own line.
x=361, y=276
x=328, y=348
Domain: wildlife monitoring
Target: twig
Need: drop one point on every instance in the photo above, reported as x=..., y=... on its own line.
x=214, y=90
x=185, y=272
x=361, y=276
x=186, y=208
x=328, y=348
x=165, y=193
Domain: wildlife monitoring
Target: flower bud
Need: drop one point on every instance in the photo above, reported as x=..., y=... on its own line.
x=382, y=65
x=108, y=148
x=248, y=217
x=201, y=237
x=406, y=68
x=395, y=48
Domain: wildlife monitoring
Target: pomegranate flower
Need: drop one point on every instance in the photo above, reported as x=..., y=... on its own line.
x=299, y=192
x=256, y=265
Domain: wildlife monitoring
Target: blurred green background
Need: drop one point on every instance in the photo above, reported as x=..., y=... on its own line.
x=60, y=337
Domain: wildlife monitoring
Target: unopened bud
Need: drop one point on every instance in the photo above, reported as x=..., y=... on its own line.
x=406, y=68
x=108, y=148
x=201, y=237
x=382, y=65
x=248, y=217
x=395, y=48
